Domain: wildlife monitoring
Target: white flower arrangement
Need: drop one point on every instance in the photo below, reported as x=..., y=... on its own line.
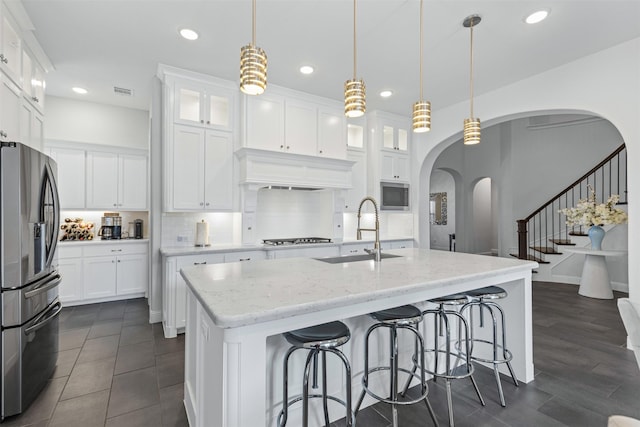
x=587, y=212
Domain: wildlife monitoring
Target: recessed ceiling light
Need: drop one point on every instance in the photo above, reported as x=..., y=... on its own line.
x=306, y=69
x=537, y=16
x=188, y=34
x=79, y=90
x=386, y=93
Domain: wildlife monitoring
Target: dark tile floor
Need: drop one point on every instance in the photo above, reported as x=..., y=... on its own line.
x=583, y=373
x=114, y=369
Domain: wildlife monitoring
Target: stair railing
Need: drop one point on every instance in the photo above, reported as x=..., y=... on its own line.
x=607, y=177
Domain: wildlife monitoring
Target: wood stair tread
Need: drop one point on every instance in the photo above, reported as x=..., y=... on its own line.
x=532, y=258
x=562, y=242
x=550, y=250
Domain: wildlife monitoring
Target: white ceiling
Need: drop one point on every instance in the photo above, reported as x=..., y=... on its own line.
x=99, y=44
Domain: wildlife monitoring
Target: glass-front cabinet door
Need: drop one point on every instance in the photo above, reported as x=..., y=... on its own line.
x=203, y=105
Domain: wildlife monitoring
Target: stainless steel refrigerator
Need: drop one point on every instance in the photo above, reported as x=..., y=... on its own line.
x=29, y=222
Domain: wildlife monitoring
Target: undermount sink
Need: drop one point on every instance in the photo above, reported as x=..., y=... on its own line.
x=354, y=258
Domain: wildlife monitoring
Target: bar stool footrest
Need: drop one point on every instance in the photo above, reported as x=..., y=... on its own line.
x=391, y=401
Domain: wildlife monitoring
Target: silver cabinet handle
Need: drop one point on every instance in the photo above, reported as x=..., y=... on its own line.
x=207, y=204
x=116, y=250
x=200, y=263
x=118, y=260
x=244, y=259
x=201, y=203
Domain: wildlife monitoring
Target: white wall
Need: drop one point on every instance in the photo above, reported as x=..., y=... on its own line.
x=604, y=84
x=88, y=122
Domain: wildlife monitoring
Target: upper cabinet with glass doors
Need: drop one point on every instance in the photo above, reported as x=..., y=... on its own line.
x=203, y=105
x=395, y=137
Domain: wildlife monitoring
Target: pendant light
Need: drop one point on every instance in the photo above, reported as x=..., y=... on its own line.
x=421, y=109
x=471, y=133
x=355, y=103
x=253, y=63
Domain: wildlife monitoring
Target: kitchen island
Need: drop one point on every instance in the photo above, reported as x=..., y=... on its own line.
x=237, y=311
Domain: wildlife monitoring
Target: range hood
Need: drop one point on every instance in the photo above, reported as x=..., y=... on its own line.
x=264, y=168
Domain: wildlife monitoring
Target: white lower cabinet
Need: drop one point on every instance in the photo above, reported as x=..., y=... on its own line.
x=175, y=288
x=97, y=272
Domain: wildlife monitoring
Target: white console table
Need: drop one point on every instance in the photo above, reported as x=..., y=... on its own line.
x=595, y=282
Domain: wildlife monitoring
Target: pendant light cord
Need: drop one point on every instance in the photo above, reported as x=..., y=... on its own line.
x=355, y=48
x=421, y=48
x=253, y=23
x=471, y=68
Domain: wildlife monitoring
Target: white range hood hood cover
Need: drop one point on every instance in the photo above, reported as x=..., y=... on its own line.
x=261, y=168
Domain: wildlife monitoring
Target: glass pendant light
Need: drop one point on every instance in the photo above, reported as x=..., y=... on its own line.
x=421, y=109
x=253, y=63
x=355, y=103
x=471, y=132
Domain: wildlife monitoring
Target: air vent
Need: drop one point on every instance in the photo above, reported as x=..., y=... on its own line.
x=122, y=91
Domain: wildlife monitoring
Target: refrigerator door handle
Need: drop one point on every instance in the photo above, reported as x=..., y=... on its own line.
x=43, y=285
x=54, y=228
x=46, y=317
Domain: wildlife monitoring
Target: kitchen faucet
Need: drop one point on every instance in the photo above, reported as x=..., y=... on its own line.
x=376, y=246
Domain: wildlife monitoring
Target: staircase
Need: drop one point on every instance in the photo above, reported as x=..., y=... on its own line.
x=542, y=234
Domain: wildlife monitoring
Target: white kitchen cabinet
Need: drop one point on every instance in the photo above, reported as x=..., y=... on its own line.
x=200, y=170
x=358, y=180
x=397, y=244
x=116, y=181
x=31, y=126
x=33, y=84
x=395, y=138
x=293, y=125
x=113, y=271
x=301, y=127
x=99, y=277
x=203, y=105
x=355, y=136
x=71, y=176
x=331, y=133
x=264, y=122
x=394, y=167
x=306, y=252
x=10, y=46
x=9, y=109
x=174, y=289
x=70, y=268
x=245, y=256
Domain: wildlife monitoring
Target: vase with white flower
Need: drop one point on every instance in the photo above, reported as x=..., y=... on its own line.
x=594, y=215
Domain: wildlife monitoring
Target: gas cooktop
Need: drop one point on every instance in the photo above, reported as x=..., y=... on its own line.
x=296, y=241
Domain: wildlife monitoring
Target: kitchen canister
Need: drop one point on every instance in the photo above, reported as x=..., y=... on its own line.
x=202, y=233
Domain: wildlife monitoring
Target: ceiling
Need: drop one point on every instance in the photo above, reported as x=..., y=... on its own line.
x=99, y=44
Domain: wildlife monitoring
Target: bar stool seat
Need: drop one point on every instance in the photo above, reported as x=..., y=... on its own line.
x=483, y=298
x=405, y=317
x=319, y=340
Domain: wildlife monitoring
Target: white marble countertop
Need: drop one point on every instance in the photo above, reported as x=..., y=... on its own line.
x=193, y=250
x=99, y=241
x=245, y=293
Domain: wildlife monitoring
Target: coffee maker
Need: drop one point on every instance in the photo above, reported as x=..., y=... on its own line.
x=111, y=228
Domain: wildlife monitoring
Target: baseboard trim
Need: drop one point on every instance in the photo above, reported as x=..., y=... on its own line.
x=155, y=316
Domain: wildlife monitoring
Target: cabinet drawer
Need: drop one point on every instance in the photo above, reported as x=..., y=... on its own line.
x=190, y=260
x=245, y=256
x=65, y=252
x=115, y=249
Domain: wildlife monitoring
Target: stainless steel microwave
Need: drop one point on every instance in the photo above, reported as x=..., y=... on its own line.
x=394, y=196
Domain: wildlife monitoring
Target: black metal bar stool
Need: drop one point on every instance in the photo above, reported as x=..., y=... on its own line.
x=319, y=340
x=405, y=317
x=457, y=361
x=483, y=299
